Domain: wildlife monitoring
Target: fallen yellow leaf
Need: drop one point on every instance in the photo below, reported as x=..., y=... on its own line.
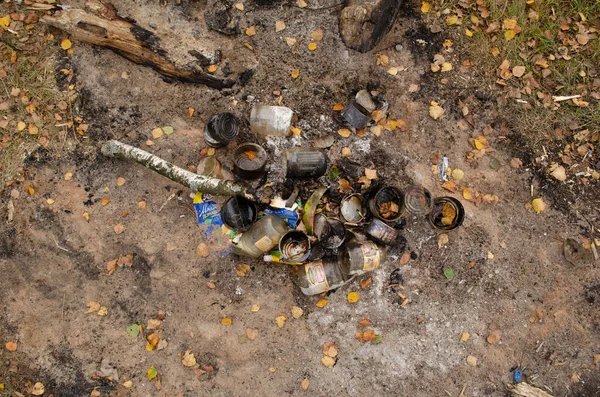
x=280, y=320
x=226, y=321
x=103, y=311
x=353, y=297
x=465, y=337
x=322, y=303
x=425, y=7
x=38, y=389
x=251, y=31
x=5, y=21
x=338, y=107
x=188, y=359
x=11, y=346
x=312, y=46
x=66, y=44
x=297, y=312
x=212, y=68
x=31, y=190
x=295, y=73
x=538, y=205
x=21, y=126
x=255, y=308
x=344, y=132
x=328, y=361
x=509, y=34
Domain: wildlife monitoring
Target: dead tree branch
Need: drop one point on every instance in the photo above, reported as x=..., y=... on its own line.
x=100, y=25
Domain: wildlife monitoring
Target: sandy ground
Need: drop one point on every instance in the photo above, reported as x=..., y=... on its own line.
x=52, y=260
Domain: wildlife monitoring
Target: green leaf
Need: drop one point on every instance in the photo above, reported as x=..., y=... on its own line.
x=168, y=130
x=152, y=373
x=133, y=330
x=333, y=173
x=377, y=340
x=449, y=273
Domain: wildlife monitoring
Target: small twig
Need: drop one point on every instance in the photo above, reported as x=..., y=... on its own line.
x=539, y=347
x=171, y=197
x=462, y=391
x=565, y=98
x=59, y=247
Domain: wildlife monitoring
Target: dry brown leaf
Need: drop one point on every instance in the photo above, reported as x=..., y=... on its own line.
x=317, y=34
x=328, y=361
x=251, y=333
x=120, y=181
x=202, y=250
x=330, y=350
x=364, y=322
x=119, y=228
x=279, y=25
x=472, y=361
x=297, y=312
x=344, y=132
x=251, y=31
x=435, y=111
x=518, y=71
x=188, y=359
x=304, y=384
x=11, y=346
x=405, y=258
x=370, y=174
x=465, y=337
x=242, y=270
x=366, y=283
x=346, y=152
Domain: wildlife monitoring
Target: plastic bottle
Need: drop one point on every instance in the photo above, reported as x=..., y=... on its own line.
x=261, y=238
x=322, y=275
x=271, y=120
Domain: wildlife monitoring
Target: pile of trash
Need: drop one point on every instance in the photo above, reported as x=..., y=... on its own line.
x=332, y=234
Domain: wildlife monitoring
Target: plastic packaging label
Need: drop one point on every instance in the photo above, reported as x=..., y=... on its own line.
x=290, y=216
x=316, y=276
x=265, y=244
x=371, y=256
x=206, y=210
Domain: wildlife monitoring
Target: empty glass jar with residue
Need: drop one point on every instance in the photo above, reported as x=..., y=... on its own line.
x=321, y=276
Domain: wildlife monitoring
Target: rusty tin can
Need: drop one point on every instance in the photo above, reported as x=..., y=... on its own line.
x=294, y=246
x=304, y=163
x=381, y=232
x=221, y=129
x=361, y=257
x=387, y=204
x=447, y=213
x=418, y=200
x=249, y=161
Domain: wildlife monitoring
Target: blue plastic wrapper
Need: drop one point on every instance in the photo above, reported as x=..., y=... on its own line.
x=206, y=209
x=518, y=375
x=290, y=216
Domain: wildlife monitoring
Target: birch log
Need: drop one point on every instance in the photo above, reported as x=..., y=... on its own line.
x=198, y=183
x=99, y=24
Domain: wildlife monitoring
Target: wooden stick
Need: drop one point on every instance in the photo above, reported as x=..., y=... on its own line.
x=198, y=183
x=100, y=25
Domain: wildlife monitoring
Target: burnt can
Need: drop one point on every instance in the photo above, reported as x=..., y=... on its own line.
x=238, y=213
x=418, y=200
x=330, y=232
x=361, y=257
x=294, y=246
x=304, y=163
x=381, y=232
x=356, y=116
x=446, y=214
x=322, y=276
x=261, y=237
x=221, y=129
x=387, y=204
x=351, y=208
x=249, y=161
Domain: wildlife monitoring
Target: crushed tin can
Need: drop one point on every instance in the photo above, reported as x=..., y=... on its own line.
x=358, y=112
x=381, y=232
x=418, y=200
x=351, y=209
x=249, y=161
x=221, y=129
x=322, y=276
x=447, y=213
x=387, y=204
x=238, y=213
x=361, y=257
x=294, y=246
x=261, y=237
x=301, y=163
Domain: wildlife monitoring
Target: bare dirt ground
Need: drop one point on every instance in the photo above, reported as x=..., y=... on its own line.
x=543, y=310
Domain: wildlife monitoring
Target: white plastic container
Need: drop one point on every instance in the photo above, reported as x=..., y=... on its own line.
x=268, y=120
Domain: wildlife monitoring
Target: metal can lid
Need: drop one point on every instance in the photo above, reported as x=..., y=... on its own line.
x=418, y=200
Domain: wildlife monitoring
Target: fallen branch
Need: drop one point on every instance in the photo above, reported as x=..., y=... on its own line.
x=100, y=25
x=198, y=183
